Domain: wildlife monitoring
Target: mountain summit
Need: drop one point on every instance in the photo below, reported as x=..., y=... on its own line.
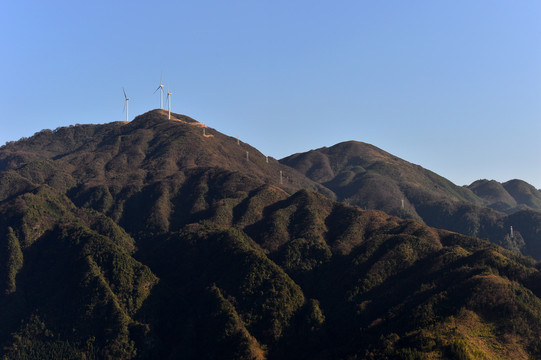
x=364, y=175
x=509, y=197
x=149, y=148
x=153, y=239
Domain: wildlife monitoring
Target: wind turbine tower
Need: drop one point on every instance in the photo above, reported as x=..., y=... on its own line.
x=126, y=103
x=169, y=103
x=161, y=93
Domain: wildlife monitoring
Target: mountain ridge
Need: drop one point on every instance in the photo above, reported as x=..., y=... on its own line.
x=386, y=182
x=511, y=196
x=149, y=240
x=366, y=176
x=353, y=158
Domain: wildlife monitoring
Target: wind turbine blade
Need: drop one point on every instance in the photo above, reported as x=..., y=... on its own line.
x=125, y=97
x=157, y=89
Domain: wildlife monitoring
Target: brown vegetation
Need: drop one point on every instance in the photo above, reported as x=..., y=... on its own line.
x=146, y=240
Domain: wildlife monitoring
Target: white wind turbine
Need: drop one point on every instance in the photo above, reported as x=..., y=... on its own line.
x=126, y=103
x=169, y=102
x=161, y=92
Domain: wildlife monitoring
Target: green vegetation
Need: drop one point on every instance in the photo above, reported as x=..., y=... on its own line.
x=149, y=241
x=363, y=175
x=13, y=262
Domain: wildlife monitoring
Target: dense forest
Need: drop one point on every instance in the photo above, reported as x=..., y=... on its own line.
x=155, y=240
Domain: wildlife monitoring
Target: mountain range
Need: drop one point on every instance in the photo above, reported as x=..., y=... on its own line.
x=166, y=239
x=509, y=197
x=363, y=175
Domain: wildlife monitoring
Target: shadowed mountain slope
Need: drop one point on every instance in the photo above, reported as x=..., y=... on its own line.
x=369, y=177
x=494, y=194
x=524, y=193
x=363, y=175
x=147, y=149
x=146, y=240
x=509, y=197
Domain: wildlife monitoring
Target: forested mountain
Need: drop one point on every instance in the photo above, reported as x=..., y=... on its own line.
x=363, y=175
x=509, y=197
x=152, y=239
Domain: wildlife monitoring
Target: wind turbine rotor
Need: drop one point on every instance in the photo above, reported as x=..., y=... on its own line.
x=160, y=87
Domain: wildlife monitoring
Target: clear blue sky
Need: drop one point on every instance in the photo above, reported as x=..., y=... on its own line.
x=454, y=86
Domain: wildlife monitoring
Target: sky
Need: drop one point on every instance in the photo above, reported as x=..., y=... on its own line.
x=453, y=86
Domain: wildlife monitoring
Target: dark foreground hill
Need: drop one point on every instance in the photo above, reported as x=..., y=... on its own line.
x=141, y=240
x=363, y=175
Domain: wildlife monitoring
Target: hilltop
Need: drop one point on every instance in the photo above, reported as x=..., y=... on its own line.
x=99, y=159
x=152, y=240
x=150, y=148
x=363, y=175
x=509, y=197
x=367, y=176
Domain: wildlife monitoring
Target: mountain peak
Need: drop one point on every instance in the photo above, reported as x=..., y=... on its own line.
x=160, y=115
x=511, y=196
x=149, y=148
x=182, y=243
